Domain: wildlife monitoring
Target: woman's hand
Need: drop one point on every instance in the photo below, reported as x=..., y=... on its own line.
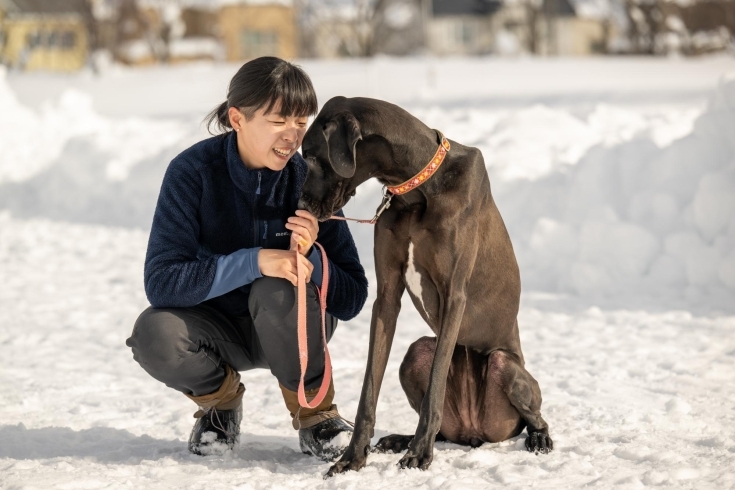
x=304, y=229
x=282, y=263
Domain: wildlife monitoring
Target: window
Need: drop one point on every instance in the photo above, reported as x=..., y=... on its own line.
x=33, y=39
x=464, y=33
x=51, y=40
x=68, y=39
x=258, y=43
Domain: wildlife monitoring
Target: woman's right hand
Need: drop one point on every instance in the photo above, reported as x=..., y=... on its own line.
x=282, y=263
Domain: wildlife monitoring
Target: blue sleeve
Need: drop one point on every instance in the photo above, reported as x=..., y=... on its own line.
x=315, y=257
x=235, y=270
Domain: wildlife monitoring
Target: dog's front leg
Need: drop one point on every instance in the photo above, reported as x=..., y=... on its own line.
x=382, y=327
x=421, y=450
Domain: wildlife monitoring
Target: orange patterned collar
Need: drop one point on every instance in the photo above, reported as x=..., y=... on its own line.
x=427, y=171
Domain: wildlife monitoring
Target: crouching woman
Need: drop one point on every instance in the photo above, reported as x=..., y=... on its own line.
x=220, y=271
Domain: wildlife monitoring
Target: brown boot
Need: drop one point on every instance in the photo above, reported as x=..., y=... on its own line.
x=308, y=417
x=218, y=419
x=322, y=431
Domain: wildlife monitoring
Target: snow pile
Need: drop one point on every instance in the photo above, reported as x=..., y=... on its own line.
x=634, y=217
x=30, y=142
x=601, y=198
x=68, y=162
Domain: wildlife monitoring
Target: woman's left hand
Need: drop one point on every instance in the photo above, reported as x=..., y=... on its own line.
x=304, y=230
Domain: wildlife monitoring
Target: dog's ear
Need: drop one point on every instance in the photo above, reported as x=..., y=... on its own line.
x=342, y=134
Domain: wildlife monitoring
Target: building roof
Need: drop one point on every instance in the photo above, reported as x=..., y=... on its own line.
x=465, y=7
x=49, y=7
x=561, y=8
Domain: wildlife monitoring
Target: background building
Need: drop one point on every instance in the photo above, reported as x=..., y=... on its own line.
x=175, y=31
x=67, y=35
x=44, y=34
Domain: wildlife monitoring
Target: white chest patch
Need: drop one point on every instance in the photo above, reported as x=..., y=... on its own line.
x=413, y=278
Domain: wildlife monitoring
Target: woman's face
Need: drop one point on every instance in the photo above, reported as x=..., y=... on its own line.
x=267, y=140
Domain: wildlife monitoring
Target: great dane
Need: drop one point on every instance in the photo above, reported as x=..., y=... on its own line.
x=446, y=242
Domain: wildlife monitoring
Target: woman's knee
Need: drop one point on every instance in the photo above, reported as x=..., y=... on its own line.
x=272, y=294
x=160, y=339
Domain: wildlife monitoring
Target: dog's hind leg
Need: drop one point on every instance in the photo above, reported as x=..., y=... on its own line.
x=476, y=410
x=525, y=395
x=414, y=377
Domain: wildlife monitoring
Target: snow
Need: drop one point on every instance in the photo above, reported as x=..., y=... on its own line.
x=619, y=198
x=191, y=47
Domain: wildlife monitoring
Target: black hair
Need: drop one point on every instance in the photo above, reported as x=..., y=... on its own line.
x=263, y=83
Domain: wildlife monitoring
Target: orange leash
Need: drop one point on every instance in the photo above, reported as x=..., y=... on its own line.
x=303, y=346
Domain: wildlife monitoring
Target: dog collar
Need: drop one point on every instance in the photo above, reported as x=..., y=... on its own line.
x=426, y=172
x=415, y=181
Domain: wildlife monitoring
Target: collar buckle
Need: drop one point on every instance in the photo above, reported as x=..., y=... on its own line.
x=385, y=204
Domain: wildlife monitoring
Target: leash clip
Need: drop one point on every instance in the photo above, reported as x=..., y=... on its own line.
x=385, y=204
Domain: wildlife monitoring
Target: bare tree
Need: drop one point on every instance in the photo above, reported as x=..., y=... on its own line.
x=358, y=24
x=534, y=10
x=659, y=27
x=645, y=22
x=369, y=20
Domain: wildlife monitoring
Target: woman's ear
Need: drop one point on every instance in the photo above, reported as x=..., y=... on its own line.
x=236, y=118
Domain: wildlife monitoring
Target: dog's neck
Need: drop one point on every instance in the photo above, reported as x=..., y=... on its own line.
x=407, y=154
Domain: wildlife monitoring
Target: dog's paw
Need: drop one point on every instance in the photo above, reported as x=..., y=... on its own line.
x=348, y=462
x=420, y=460
x=395, y=443
x=539, y=442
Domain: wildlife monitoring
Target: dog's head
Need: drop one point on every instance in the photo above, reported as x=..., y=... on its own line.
x=329, y=148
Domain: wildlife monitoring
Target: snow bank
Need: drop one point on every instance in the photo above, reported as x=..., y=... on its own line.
x=30, y=142
x=634, y=217
x=65, y=161
x=600, y=199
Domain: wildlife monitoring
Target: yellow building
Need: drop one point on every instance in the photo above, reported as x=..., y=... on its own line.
x=231, y=30
x=250, y=31
x=44, y=34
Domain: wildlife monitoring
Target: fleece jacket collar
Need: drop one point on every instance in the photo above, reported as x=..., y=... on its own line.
x=256, y=184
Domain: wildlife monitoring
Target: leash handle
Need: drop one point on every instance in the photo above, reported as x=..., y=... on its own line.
x=302, y=340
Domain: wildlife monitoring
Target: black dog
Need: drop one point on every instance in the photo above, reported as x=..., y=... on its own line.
x=446, y=242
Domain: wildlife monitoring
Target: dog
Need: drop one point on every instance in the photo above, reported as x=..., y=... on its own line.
x=446, y=242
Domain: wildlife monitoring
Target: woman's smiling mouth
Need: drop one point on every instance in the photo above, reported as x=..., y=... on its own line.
x=283, y=153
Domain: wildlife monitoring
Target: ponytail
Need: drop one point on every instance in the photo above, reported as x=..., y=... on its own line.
x=220, y=118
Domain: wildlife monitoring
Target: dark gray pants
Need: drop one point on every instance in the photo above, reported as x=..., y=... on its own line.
x=185, y=347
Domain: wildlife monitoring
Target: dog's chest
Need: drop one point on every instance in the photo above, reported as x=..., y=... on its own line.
x=419, y=286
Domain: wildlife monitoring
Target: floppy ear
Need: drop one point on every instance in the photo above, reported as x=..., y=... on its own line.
x=342, y=135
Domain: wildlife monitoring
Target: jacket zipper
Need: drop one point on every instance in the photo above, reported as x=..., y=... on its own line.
x=256, y=230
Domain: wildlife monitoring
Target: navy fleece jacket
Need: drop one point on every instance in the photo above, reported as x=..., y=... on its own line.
x=214, y=214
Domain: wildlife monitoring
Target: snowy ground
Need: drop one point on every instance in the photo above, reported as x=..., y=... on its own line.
x=616, y=180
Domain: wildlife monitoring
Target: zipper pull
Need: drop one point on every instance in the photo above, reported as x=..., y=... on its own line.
x=265, y=233
x=257, y=191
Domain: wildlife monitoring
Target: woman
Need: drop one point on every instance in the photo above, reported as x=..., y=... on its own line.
x=220, y=271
